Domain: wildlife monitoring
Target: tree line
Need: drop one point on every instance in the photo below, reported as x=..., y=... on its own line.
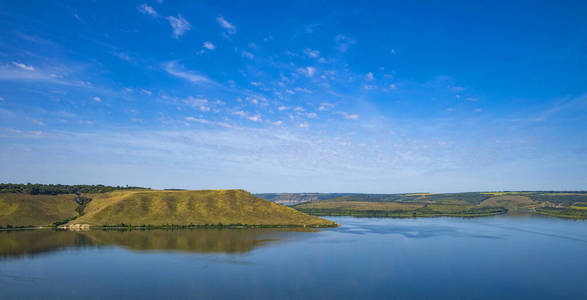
x=56, y=189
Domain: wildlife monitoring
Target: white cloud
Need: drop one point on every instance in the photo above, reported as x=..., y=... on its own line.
x=37, y=122
x=325, y=106
x=179, y=71
x=255, y=118
x=247, y=54
x=198, y=103
x=277, y=123
x=231, y=29
x=282, y=108
x=305, y=90
x=97, y=99
x=349, y=116
x=179, y=25
x=311, y=115
x=392, y=86
x=122, y=55
x=192, y=119
x=146, y=92
x=243, y=114
x=471, y=99
x=370, y=76
x=304, y=125
x=239, y=113
x=23, y=66
x=1, y=98
x=308, y=71
x=344, y=42
x=209, y=45
x=312, y=53
x=148, y=10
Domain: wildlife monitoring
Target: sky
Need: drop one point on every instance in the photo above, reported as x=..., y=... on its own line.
x=295, y=96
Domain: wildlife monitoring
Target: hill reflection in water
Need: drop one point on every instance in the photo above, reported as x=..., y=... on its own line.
x=229, y=241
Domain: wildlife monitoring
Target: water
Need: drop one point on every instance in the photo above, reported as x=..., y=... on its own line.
x=430, y=258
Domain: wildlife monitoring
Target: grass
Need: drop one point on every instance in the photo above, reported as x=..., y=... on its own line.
x=152, y=209
x=191, y=209
x=568, y=213
x=512, y=203
x=17, y=209
x=395, y=209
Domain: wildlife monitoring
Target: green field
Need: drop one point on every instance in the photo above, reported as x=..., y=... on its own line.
x=567, y=213
x=394, y=209
x=141, y=208
x=559, y=204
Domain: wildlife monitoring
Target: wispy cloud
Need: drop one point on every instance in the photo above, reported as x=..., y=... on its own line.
x=248, y=116
x=312, y=53
x=247, y=54
x=23, y=66
x=230, y=29
x=179, y=25
x=349, y=116
x=38, y=122
x=122, y=55
x=179, y=71
x=201, y=104
x=325, y=106
x=308, y=71
x=148, y=10
x=198, y=120
x=209, y=45
x=22, y=72
x=344, y=42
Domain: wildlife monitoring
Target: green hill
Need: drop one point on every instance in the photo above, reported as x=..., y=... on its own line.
x=150, y=207
x=159, y=208
x=17, y=209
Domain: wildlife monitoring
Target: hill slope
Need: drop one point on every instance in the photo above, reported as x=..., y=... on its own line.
x=190, y=207
x=18, y=209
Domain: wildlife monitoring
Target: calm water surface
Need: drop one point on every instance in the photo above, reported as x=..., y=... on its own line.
x=430, y=258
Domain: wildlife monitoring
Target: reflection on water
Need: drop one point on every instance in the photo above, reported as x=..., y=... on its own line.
x=17, y=243
x=501, y=257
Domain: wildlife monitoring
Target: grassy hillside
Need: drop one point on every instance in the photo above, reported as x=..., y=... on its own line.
x=17, y=209
x=159, y=208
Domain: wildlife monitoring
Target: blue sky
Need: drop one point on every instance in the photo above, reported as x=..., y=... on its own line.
x=316, y=96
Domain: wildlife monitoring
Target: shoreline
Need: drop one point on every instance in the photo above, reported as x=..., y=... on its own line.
x=73, y=227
